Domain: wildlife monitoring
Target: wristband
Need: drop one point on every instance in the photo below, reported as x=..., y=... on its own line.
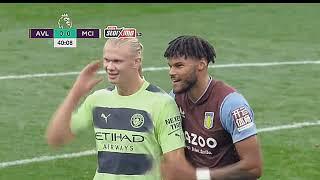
x=203, y=174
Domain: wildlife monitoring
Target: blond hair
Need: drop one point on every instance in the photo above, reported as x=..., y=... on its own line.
x=136, y=46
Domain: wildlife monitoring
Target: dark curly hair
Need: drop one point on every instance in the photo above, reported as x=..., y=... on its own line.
x=190, y=47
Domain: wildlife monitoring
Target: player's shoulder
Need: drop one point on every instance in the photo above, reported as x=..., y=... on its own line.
x=154, y=89
x=234, y=100
x=222, y=87
x=157, y=92
x=172, y=94
x=102, y=92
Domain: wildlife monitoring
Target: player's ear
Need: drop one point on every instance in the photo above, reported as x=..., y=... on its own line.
x=203, y=64
x=137, y=63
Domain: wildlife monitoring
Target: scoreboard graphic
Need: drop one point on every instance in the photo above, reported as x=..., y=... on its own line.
x=66, y=36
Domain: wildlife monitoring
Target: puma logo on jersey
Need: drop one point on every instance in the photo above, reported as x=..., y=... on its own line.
x=105, y=117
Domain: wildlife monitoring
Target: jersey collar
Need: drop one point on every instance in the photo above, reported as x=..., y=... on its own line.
x=205, y=93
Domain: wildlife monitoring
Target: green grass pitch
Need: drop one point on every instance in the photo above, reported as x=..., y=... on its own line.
x=241, y=33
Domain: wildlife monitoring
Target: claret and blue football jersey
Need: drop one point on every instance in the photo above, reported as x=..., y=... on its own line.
x=214, y=123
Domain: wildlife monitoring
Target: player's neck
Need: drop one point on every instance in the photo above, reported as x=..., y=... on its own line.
x=198, y=90
x=132, y=86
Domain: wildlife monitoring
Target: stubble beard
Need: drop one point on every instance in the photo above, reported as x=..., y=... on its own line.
x=187, y=84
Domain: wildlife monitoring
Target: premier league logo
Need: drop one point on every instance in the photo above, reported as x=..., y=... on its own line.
x=65, y=21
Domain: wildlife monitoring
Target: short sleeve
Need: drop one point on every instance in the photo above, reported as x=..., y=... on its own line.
x=82, y=118
x=237, y=117
x=169, y=128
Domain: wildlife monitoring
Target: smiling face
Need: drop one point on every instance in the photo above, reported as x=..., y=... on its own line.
x=188, y=58
x=120, y=62
x=183, y=73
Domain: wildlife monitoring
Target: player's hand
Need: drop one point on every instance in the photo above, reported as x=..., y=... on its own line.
x=87, y=79
x=177, y=171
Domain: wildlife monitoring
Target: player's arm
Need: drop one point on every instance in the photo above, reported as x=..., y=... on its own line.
x=176, y=167
x=249, y=166
x=237, y=118
x=177, y=158
x=59, y=130
x=170, y=136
